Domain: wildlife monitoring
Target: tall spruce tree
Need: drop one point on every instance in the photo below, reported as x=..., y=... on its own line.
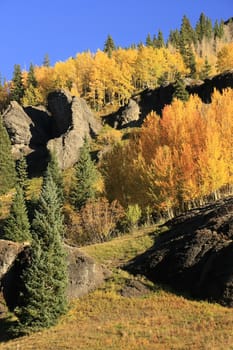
x=54, y=170
x=31, y=79
x=149, y=41
x=206, y=70
x=109, y=45
x=7, y=164
x=46, y=60
x=22, y=174
x=17, y=226
x=160, y=40
x=180, y=92
x=85, y=177
x=44, y=279
x=17, y=87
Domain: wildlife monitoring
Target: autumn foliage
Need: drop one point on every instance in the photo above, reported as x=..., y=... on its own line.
x=178, y=161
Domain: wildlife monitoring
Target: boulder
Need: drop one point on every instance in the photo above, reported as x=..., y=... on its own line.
x=84, y=273
x=195, y=256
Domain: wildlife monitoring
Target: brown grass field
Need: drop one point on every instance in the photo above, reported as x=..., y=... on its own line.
x=105, y=320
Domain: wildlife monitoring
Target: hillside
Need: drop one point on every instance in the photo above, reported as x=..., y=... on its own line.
x=131, y=312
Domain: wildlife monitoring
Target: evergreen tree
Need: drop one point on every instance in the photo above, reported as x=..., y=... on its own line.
x=204, y=28
x=174, y=38
x=22, y=174
x=46, y=61
x=85, y=177
x=44, y=279
x=17, y=227
x=205, y=72
x=149, y=41
x=180, y=92
x=7, y=164
x=17, y=88
x=31, y=79
x=54, y=170
x=160, y=41
x=109, y=45
x=218, y=30
x=188, y=56
x=187, y=32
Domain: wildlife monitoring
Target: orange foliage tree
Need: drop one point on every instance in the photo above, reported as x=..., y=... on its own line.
x=178, y=161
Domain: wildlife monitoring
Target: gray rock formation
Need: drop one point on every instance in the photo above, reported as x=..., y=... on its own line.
x=62, y=128
x=127, y=116
x=8, y=253
x=18, y=125
x=72, y=121
x=84, y=273
x=195, y=255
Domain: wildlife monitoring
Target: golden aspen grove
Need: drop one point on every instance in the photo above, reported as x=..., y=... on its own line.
x=176, y=162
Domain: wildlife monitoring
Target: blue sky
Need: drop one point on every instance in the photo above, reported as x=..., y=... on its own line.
x=31, y=28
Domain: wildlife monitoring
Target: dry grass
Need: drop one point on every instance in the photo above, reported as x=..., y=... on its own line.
x=104, y=320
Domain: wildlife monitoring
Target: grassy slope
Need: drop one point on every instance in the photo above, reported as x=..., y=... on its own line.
x=105, y=320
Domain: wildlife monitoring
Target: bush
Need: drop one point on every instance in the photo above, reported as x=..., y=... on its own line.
x=133, y=215
x=96, y=222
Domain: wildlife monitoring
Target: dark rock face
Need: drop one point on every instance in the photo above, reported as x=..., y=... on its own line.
x=155, y=100
x=84, y=273
x=195, y=255
x=62, y=128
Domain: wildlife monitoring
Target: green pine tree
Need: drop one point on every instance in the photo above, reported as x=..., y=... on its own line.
x=85, y=177
x=187, y=33
x=44, y=279
x=17, y=227
x=174, y=38
x=160, y=40
x=54, y=170
x=149, y=41
x=31, y=79
x=22, y=174
x=109, y=45
x=17, y=87
x=7, y=164
x=180, y=92
x=206, y=70
x=204, y=28
x=218, y=30
x=46, y=61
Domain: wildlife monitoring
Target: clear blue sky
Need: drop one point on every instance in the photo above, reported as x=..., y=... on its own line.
x=31, y=28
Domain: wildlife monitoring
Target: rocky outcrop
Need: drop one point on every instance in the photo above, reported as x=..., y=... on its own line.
x=128, y=116
x=62, y=128
x=195, y=255
x=8, y=253
x=73, y=120
x=84, y=274
x=18, y=125
x=155, y=100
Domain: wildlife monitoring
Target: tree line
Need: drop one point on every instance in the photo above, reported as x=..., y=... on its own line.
x=112, y=75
